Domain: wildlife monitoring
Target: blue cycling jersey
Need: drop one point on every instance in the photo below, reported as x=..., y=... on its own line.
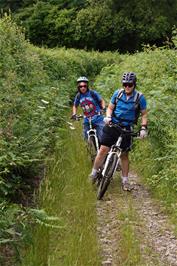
x=89, y=106
x=125, y=108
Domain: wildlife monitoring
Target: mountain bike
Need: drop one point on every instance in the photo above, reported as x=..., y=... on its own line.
x=112, y=161
x=92, y=140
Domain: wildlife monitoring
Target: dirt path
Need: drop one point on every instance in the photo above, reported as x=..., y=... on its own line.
x=152, y=234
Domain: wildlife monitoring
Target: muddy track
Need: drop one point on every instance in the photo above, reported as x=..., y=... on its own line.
x=158, y=244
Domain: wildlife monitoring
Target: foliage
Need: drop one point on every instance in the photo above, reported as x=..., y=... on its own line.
x=15, y=226
x=36, y=87
x=33, y=91
x=99, y=25
x=67, y=194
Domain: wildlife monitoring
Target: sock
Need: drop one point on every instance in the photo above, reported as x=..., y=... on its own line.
x=124, y=179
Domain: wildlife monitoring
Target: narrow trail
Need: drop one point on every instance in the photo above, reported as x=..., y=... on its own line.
x=152, y=230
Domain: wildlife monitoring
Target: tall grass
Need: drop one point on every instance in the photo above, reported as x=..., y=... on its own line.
x=67, y=194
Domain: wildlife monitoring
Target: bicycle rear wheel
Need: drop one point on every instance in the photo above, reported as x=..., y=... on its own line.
x=106, y=179
x=92, y=148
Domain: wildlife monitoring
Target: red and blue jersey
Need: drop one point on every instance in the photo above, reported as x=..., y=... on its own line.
x=89, y=105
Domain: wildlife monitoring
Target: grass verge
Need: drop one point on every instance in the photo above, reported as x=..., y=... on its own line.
x=68, y=195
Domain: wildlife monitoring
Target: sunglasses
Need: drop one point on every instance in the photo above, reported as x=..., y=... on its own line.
x=128, y=85
x=82, y=86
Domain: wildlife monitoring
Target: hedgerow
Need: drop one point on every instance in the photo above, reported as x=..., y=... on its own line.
x=36, y=88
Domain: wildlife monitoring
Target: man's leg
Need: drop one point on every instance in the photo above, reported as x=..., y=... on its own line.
x=125, y=164
x=99, y=130
x=99, y=160
x=125, y=171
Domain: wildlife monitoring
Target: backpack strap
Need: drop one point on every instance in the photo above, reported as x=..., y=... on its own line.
x=137, y=96
x=78, y=95
x=137, y=105
x=119, y=95
x=136, y=101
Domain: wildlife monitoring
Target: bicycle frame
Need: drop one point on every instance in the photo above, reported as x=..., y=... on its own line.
x=92, y=135
x=115, y=149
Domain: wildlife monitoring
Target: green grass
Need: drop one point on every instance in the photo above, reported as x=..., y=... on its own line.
x=129, y=243
x=129, y=234
x=67, y=194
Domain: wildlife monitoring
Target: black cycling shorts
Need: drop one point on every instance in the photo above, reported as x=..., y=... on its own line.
x=110, y=136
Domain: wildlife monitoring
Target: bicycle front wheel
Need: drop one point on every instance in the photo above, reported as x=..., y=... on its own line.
x=111, y=166
x=92, y=147
x=106, y=179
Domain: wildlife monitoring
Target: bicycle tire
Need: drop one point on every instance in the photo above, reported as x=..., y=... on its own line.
x=106, y=179
x=104, y=183
x=92, y=148
x=110, y=170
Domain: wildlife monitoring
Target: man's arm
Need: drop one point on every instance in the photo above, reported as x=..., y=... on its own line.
x=110, y=110
x=144, y=118
x=103, y=106
x=143, y=131
x=74, y=114
x=74, y=109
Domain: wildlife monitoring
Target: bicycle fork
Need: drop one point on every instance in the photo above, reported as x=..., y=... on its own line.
x=111, y=153
x=92, y=133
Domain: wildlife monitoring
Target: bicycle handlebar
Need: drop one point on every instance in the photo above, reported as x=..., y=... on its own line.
x=77, y=117
x=125, y=131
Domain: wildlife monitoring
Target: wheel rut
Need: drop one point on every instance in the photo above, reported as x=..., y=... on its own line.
x=153, y=231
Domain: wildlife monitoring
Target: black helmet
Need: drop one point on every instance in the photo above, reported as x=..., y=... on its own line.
x=129, y=77
x=82, y=79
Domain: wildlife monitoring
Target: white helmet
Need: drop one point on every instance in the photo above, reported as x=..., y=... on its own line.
x=82, y=79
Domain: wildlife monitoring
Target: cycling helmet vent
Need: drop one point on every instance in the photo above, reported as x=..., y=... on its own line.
x=82, y=79
x=129, y=77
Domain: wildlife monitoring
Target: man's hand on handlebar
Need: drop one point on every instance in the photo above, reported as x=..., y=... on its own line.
x=143, y=132
x=74, y=116
x=107, y=120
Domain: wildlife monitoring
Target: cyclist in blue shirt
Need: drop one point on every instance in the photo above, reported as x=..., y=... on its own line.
x=92, y=105
x=122, y=110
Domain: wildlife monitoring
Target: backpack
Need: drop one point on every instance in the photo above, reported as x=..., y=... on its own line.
x=93, y=95
x=136, y=101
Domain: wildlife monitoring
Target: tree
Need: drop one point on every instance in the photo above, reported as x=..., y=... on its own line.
x=94, y=28
x=123, y=25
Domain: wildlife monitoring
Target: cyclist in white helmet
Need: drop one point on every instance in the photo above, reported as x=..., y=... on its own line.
x=92, y=105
